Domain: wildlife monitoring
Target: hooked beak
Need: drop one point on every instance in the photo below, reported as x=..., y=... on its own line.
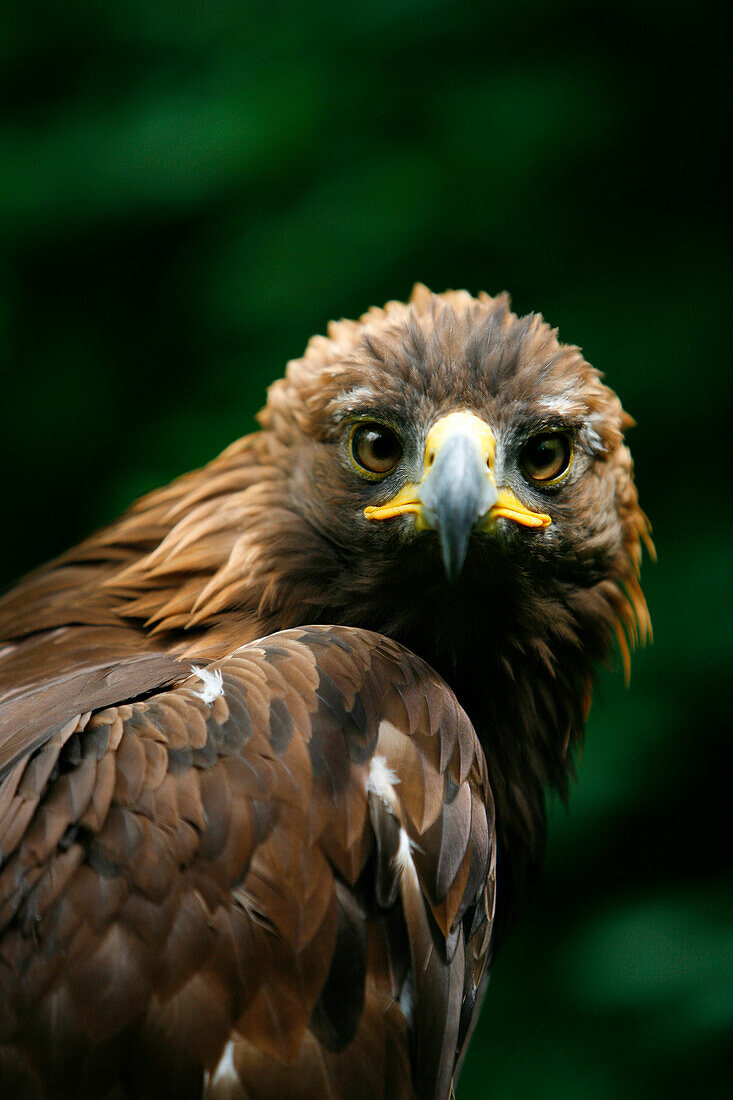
x=457, y=494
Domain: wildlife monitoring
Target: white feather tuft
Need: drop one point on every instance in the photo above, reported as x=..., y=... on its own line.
x=225, y=1072
x=382, y=780
x=213, y=682
x=407, y=998
x=403, y=856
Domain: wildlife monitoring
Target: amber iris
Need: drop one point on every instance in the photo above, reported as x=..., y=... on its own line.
x=375, y=448
x=546, y=457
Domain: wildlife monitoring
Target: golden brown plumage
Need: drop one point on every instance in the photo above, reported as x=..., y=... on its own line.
x=303, y=863
x=201, y=863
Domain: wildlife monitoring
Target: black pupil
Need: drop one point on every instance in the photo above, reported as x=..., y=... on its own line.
x=377, y=448
x=546, y=457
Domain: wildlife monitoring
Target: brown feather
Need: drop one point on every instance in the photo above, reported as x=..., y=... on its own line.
x=245, y=905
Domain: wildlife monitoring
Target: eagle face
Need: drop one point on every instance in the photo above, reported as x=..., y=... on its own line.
x=450, y=455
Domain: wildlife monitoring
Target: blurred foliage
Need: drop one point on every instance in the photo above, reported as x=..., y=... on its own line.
x=190, y=189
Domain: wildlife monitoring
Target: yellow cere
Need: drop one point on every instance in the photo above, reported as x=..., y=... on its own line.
x=465, y=422
x=408, y=500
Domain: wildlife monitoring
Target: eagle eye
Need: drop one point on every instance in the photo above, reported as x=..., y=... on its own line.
x=546, y=457
x=375, y=448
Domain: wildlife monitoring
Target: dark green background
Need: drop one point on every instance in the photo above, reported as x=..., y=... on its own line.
x=189, y=190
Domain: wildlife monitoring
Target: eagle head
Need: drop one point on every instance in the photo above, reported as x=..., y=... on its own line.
x=458, y=474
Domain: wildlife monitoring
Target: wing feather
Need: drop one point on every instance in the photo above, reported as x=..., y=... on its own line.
x=274, y=875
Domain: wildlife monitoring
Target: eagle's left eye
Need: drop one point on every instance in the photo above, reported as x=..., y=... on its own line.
x=546, y=457
x=375, y=448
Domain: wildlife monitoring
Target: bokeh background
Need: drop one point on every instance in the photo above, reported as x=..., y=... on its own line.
x=188, y=190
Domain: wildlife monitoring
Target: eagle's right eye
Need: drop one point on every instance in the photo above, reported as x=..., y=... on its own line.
x=375, y=448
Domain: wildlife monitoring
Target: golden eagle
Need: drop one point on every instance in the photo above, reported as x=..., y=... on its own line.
x=274, y=746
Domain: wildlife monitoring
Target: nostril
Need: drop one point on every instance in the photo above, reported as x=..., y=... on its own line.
x=431, y=458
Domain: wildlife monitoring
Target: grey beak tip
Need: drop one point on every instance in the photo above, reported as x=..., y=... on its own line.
x=453, y=576
x=454, y=556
